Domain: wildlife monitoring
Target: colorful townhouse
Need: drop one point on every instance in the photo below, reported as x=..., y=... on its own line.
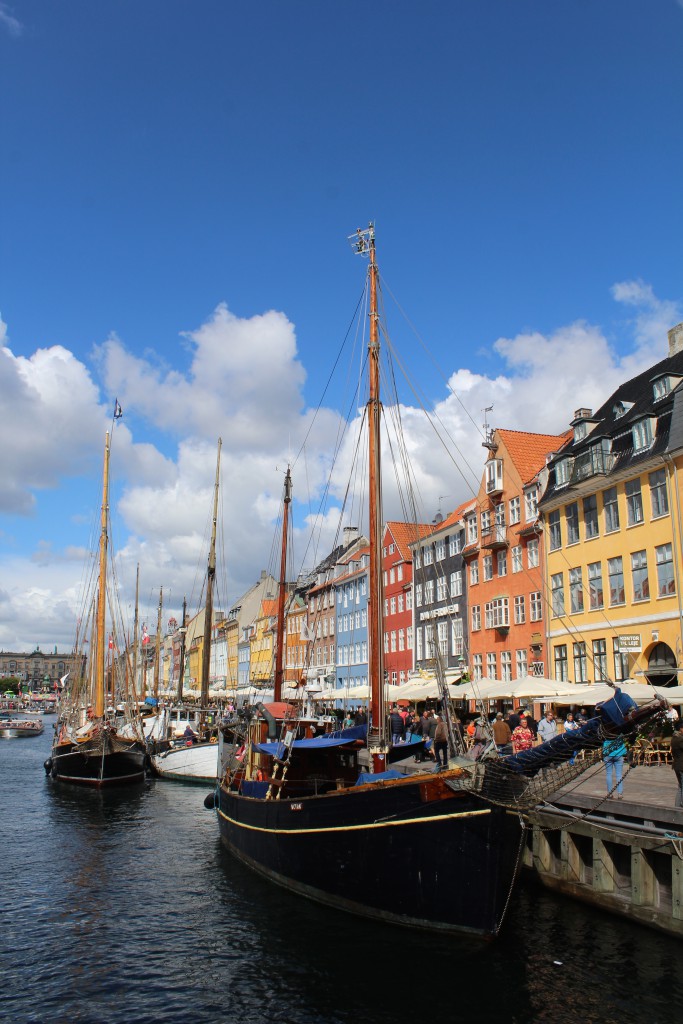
x=397, y=578
x=612, y=521
x=295, y=641
x=440, y=594
x=351, y=602
x=503, y=558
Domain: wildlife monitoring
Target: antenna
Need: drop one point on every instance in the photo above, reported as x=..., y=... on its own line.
x=488, y=432
x=361, y=241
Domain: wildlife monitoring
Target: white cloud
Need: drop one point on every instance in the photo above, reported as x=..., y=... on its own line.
x=12, y=24
x=245, y=382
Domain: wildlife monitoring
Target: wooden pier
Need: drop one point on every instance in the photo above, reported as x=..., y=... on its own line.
x=625, y=856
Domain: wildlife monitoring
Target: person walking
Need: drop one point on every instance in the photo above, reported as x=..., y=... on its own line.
x=441, y=743
x=501, y=732
x=397, y=727
x=613, y=754
x=677, y=759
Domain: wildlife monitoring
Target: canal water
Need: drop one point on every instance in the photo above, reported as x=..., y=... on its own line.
x=122, y=907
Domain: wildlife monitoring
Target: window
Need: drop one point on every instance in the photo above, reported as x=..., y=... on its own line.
x=642, y=434
x=615, y=573
x=610, y=506
x=418, y=595
x=401, y=639
x=506, y=666
x=419, y=647
x=580, y=431
x=521, y=663
x=620, y=661
x=409, y=600
x=392, y=606
x=474, y=572
x=517, y=558
x=393, y=640
x=590, y=516
x=442, y=634
x=600, y=660
x=561, y=663
x=572, y=517
x=595, y=594
x=641, y=586
x=487, y=562
x=634, y=502
x=557, y=593
x=440, y=550
x=661, y=388
x=536, y=606
x=485, y=522
x=477, y=666
x=441, y=590
x=555, y=530
x=392, y=576
x=409, y=638
x=471, y=529
x=532, y=553
x=456, y=584
x=491, y=665
x=520, y=612
x=416, y=558
x=530, y=504
x=575, y=591
x=400, y=603
x=580, y=663
x=399, y=572
x=455, y=544
x=515, y=513
x=494, y=475
x=427, y=555
x=665, y=571
x=457, y=642
x=658, y=496
x=476, y=617
x=429, y=592
x=563, y=472
x=502, y=563
x=497, y=613
x=429, y=640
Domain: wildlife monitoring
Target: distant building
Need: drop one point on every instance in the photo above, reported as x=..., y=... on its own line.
x=39, y=669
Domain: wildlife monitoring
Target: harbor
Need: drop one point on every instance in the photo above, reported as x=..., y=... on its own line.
x=121, y=908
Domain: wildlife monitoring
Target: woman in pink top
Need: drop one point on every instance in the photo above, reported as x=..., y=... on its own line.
x=522, y=737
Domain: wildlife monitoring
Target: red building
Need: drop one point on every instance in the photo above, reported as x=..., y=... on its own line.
x=397, y=568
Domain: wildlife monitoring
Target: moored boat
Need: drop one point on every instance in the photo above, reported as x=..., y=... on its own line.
x=19, y=728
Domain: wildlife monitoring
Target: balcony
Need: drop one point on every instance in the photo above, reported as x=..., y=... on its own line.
x=494, y=537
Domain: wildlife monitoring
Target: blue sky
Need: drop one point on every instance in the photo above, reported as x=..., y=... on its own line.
x=171, y=173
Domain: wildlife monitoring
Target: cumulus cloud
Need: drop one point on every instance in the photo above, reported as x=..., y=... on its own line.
x=244, y=381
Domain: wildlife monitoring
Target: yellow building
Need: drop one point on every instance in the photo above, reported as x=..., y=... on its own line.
x=612, y=516
x=261, y=666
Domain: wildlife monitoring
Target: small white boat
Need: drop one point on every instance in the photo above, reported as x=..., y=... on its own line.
x=15, y=728
x=187, y=762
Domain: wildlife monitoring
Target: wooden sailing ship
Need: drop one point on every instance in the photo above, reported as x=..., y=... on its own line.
x=98, y=736
x=323, y=817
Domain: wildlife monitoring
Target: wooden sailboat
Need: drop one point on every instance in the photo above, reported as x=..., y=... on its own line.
x=323, y=817
x=195, y=759
x=98, y=743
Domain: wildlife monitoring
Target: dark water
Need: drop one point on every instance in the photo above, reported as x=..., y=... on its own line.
x=124, y=908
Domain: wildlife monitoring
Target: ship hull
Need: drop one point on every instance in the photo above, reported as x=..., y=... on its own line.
x=101, y=764
x=194, y=763
x=414, y=854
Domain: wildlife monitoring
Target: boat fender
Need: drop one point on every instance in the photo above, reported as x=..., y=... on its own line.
x=48, y=765
x=210, y=801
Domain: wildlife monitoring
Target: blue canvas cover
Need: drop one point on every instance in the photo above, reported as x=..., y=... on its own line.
x=390, y=773
x=327, y=739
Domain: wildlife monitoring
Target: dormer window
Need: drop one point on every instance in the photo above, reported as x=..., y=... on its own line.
x=580, y=431
x=664, y=385
x=620, y=409
x=643, y=433
x=563, y=472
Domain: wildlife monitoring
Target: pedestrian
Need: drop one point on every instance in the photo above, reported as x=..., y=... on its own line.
x=513, y=720
x=547, y=727
x=397, y=727
x=522, y=737
x=501, y=732
x=441, y=743
x=613, y=754
x=582, y=716
x=677, y=759
x=570, y=724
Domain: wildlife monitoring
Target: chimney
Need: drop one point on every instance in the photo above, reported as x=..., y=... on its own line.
x=350, y=534
x=676, y=339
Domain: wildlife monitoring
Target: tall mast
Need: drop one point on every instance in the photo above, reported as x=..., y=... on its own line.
x=100, y=646
x=377, y=738
x=208, y=611
x=280, y=633
x=157, y=648
x=181, y=666
x=136, y=625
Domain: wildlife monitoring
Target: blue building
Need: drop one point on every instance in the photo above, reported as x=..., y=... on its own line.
x=351, y=602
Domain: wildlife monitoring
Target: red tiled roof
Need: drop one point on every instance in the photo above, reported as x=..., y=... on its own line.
x=529, y=451
x=407, y=533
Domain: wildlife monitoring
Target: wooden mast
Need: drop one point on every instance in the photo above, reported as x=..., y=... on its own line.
x=100, y=646
x=157, y=648
x=208, y=611
x=181, y=666
x=282, y=593
x=136, y=628
x=377, y=738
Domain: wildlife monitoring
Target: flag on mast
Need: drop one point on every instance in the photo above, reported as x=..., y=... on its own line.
x=118, y=411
